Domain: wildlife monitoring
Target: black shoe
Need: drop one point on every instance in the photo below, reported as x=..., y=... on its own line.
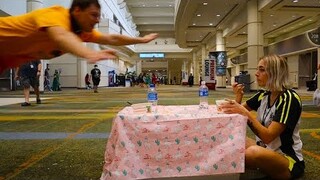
x=38, y=101
x=95, y=91
x=25, y=104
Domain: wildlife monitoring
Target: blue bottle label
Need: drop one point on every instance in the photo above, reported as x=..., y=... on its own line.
x=203, y=93
x=152, y=96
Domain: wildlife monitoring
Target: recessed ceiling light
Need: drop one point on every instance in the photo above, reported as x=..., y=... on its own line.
x=194, y=24
x=157, y=5
x=170, y=5
x=218, y=15
x=205, y=3
x=271, y=15
x=211, y=24
x=198, y=15
x=143, y=5
x=295, y=1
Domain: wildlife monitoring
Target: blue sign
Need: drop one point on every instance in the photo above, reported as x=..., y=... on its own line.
x=151, y=55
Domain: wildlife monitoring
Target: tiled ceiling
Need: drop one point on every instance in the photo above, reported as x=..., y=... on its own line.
x=153, y=16
x=198, y=20
x=278, y=17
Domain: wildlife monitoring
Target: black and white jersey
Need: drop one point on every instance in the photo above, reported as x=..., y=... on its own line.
x=286, y=110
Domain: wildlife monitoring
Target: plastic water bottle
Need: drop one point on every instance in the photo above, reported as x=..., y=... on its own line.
x=152, y=97
x=203, y=95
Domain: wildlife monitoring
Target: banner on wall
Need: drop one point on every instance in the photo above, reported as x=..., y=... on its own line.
x=111, y=79
x=209, y=71
x=220, y=57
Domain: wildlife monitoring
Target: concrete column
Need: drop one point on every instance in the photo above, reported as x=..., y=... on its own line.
x=196, y=68
x=33, y=5
x=138, y=67
x=184, y=76
x=255, y=39
x=204, y=56
x=220, y=46
x=82, y=68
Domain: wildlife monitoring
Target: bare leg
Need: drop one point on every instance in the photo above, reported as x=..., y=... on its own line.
x=268, y=161
x=26, y=92
x=37, y=92
x=250, y=142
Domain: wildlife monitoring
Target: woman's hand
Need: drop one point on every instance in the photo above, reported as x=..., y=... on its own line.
x=238, y=88
x=233, y=107
x=238, y=91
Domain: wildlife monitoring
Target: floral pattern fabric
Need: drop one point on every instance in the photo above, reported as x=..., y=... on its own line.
x=175, y=141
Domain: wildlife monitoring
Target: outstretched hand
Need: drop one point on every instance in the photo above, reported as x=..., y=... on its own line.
x=149, y=37
x=102, y=55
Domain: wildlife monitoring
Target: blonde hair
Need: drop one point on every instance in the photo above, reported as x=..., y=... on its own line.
x=277, y=71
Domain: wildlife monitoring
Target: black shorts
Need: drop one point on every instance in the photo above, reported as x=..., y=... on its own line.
x=95, y=81
x=297, y=170
x=26, y=82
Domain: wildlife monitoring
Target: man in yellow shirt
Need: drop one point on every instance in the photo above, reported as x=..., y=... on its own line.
x=50, y=32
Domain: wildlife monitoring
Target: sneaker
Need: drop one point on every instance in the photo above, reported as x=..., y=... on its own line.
x=38, y=101
x=25, y=104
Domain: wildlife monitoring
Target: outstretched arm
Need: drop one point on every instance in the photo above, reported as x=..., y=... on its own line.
x=119, y=40
x=69, y=42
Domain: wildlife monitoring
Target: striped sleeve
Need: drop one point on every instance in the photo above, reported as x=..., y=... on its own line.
x=288, y=108
x=254, y=101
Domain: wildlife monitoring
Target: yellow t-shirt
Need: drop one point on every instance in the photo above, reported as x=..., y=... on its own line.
x=23, y=38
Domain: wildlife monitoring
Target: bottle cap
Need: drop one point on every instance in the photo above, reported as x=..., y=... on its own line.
x=203, y=83
x=151, y=85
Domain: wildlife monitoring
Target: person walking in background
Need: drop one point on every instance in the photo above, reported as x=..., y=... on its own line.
x=276, y=126
x=47, y=83
x=95, y=75
x=190, y=80
x=50, y=32
x=56, y=86
x=140, y=80
x=87, y=81
x=154, y=79
x=29, y=74
x=148, y=79
x=200, y=81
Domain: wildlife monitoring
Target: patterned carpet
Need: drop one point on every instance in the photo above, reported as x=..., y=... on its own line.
x=65, y=136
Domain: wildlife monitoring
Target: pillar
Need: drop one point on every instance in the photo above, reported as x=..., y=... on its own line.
x=196, y=68
x=138, y=66
x=255, y=39
x=204, y=56
x=82, y=68
x=184, y=75
x=220, y=46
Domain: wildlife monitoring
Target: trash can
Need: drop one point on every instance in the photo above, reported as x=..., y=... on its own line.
x=121, y=80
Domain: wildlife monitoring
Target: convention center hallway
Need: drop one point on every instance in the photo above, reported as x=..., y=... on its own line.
x=65, y=136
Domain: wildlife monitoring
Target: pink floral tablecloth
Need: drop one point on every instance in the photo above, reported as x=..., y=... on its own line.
x=175, y=141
